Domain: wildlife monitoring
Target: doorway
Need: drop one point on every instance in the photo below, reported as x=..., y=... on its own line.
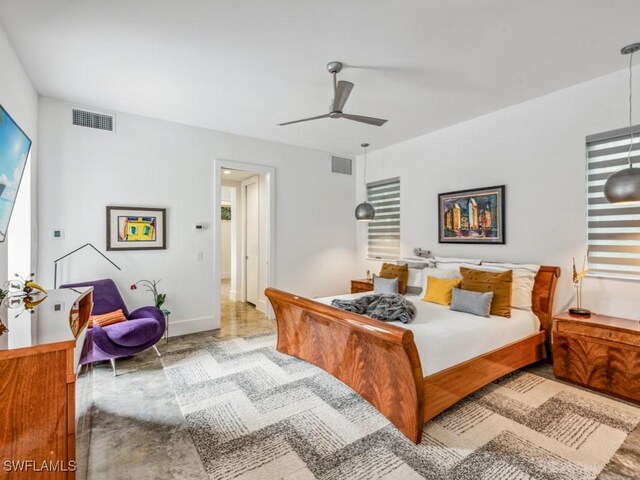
x=243, y=247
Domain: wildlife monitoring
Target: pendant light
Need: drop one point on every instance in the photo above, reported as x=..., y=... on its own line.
x=624, y=185
x=365, y=211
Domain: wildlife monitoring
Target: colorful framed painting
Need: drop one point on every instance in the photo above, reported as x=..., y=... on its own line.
x=136, y=228
x=472, y=216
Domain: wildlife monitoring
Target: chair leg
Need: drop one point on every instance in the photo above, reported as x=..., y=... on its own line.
x=157, y=351
x=113, y=366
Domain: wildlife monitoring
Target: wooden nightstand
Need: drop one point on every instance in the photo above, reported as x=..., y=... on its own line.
x=598, y=352
x=363, y=285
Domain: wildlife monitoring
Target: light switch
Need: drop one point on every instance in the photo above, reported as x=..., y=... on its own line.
x=199, y=256
x=58, y=234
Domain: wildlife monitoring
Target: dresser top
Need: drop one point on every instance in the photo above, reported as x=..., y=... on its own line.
x=49, y=323
x=614, y=323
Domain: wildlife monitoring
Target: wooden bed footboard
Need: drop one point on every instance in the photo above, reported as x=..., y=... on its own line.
x=378, y=360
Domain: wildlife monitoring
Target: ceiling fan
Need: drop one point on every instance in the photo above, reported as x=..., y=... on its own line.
x=341, y=92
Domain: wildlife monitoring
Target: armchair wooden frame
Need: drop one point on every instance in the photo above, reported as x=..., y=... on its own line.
x=380, y=361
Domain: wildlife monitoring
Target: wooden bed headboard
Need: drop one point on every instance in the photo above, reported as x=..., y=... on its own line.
x=544, y=290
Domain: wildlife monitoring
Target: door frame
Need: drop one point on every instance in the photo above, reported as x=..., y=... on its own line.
x=270, y=180
x=255, y=180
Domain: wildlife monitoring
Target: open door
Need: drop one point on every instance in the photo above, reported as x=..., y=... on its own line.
x=252, y=216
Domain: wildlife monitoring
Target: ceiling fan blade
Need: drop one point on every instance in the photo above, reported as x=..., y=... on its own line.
x=378, y=122
x=305, y=120
x=343, y=90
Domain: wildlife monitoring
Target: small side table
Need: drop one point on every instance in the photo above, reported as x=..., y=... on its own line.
x=362, y=285
x=598, y=352
x=166, y=314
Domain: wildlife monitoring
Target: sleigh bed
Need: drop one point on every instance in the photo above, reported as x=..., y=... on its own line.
x=380, y=360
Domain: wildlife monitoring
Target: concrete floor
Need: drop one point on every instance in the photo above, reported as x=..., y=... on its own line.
x=138, y=430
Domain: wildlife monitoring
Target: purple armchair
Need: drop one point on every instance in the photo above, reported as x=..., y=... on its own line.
x=143, y=328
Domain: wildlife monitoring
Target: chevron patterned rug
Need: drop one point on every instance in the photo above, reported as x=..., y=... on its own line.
x=254, y=413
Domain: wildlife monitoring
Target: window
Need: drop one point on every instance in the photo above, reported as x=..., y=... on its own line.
x=384, y=229
x=613, y=231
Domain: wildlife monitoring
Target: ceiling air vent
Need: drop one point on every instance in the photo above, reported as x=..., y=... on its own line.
x=341, y=165
x=100, y=121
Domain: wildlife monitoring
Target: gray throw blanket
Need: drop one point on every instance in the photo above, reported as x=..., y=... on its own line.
x=385, y=307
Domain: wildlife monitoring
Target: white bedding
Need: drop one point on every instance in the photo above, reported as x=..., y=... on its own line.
x=445, y=338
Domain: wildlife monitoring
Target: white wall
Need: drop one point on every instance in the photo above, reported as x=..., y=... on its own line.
x=538, y=150
x=149, y=162
x=20, y=99
x=225, y=253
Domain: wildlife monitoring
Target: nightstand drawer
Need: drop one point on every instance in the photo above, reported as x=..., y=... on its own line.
x=358, y=286
x=598, y=332
x=602, y=366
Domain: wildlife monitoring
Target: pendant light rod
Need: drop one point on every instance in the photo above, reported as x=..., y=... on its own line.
x=365, y=146
x=365, y=211
x=630, y=50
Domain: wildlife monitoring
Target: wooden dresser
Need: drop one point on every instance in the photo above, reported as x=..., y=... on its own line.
x=39, y=358
x=363, y=285
x=598, y=352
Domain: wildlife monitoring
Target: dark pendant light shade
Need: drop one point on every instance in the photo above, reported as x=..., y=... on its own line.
x=623, y=186
x=365, y=212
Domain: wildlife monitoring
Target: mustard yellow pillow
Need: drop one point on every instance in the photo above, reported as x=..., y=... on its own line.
x=401, y=272
x=439, y=290
x=499, y=283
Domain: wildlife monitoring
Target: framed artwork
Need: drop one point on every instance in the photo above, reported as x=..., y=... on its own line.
x=472, y=216
x=225, y=212
x=136, y=228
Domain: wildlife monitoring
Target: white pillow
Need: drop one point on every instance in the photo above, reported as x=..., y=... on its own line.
x=456, y=263
x=445, y=260
x=445, y=273
x=524, y=277
x=416, y=277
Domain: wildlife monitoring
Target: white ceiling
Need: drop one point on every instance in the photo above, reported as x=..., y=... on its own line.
x=242, y=66
x=236, y=175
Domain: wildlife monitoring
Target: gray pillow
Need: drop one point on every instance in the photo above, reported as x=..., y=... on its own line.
x=385, y=285
x=412, y=290
x=475, y=303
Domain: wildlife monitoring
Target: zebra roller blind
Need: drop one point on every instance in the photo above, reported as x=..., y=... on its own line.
x=384, y=229
x=613, y=231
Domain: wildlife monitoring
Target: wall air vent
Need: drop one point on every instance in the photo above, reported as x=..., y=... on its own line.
x=100, y=121
x=341, y=165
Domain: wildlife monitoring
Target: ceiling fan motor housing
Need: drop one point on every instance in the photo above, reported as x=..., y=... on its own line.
x=334, y=67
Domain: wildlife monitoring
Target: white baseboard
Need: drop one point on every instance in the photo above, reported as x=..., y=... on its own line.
x=234, y=295
x=261, y=306
x=192, y=325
